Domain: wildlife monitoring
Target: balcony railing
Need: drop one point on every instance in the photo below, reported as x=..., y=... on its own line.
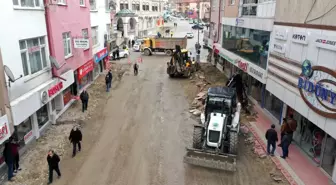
x=249, y=9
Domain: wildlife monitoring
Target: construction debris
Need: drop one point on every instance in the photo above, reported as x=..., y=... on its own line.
x=275, y=177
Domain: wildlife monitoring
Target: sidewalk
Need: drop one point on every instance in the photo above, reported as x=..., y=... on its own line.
x=297, y=168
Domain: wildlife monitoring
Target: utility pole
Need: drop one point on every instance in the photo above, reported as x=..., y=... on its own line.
x=198, y=55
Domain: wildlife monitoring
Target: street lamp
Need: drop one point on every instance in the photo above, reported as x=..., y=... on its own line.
x=198, y=56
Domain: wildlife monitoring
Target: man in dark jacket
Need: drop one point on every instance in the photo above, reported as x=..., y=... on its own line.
x=84, y=96
x=108, y=80
x=9, y=159
x=285, y=142
x=15, y=150
x=53, y=161
x=75, y=138
x=271, y=137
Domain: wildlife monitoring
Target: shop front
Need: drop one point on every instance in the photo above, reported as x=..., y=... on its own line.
x=253, y=76
x=99, y=59
x=39, y=108
x=85, y=74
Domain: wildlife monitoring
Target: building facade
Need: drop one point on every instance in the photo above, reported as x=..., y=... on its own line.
x=245, y=35
x=301, y=74
x=69, y=34
x=25, y=54
x=103, y=38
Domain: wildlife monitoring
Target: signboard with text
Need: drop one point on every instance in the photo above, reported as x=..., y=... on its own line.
x=100, y=55
x=85, y=69
x=81, y=43
x=4, y=129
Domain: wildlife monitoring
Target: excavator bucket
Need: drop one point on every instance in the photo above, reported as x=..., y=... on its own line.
x=209, y=159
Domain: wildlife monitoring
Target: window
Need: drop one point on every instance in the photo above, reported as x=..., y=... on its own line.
x=232, y=2
x=93, y=5
x=82, y=2
x=155, y=8
x=241, y=41
x=42, y=116
x=145, y=7
x=27, y=3
x=123, y=6
x=61, y=1
x=33, y=55
x=94, y=36
x=21, y=131
x=67, y=45
x=85, y=33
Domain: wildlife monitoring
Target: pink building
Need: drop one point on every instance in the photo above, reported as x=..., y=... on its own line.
x=70, y=45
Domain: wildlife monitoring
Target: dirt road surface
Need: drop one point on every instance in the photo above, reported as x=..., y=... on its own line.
x=139, y=135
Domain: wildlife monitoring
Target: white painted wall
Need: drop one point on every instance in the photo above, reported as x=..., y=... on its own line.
x=21, y=24
x=300, y=52
x=100, y=18
x=250, y=22
x=266, y=9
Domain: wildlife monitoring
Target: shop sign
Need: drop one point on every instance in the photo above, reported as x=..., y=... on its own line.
x=53, y=90
x=100, y=55
x=239, y=22
x=243, y=65
x=280, y=48
x=85, y=69
x=301, y=38
x=326, y=43
x=4, y=129
x=81, y=43
x=281, y=34
x=317, y=87
x=44, y=97
x=256, y=73
x=28, y=136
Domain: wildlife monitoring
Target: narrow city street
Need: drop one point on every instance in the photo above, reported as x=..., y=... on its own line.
x=139, y=134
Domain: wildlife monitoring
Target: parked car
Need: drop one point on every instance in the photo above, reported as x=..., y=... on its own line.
x=190, y=35
x=123, y=53
x=197, y=27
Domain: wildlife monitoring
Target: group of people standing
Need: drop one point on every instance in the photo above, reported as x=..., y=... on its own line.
x=11, y=156
x=288, y=127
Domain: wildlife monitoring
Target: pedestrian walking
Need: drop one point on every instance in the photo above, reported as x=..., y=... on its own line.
x=271, y=137
x=133, y=42
x=171, y=33
x=9, y=160
x=53, y=163
x=75, y=138
x=288, y=127
x=135, y=68
x=84, y=96
x=15, y=150
x=285, y=142
x=108, y=80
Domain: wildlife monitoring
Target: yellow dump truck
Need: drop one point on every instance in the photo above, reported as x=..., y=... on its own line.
x=165, y=45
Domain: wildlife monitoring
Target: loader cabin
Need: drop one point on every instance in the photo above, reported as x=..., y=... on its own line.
x=220, y=100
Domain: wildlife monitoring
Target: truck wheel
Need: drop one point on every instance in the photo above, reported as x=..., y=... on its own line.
x=233, y=137
x=171, y=75
x=197, y=137
x=147, y=52
x=168, y=52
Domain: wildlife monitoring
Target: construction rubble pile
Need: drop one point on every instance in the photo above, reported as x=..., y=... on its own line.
x=197, y=106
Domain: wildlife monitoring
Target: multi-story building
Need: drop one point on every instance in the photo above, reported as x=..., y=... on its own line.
x=31, y=86
x=103, y=38
x=69, y=34
x=137, y=18
x=301, y=75
x=242, y=44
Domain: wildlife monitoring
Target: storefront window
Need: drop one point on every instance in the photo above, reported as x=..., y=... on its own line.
x=23, y=131
x=67, y=96
x=42, y=116
x=85, y=80
x=96, y=69
x=247, y=43
x=307, y=135
x=273, y=104
x=329, y=155
x=256, y=89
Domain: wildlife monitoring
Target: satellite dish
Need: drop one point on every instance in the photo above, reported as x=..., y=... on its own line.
x=55, y=63
x=9, y=74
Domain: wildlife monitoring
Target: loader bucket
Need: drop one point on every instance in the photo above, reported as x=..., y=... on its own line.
x=210, y=160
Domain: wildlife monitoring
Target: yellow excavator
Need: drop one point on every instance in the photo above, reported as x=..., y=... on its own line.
x=180, y=63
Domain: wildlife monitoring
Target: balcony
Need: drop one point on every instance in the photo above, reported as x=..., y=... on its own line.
x=249, y=9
